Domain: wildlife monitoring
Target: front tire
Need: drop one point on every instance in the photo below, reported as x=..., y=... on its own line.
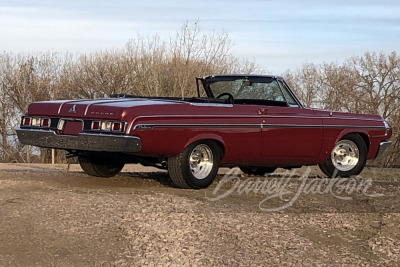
x=196, y=166
x=347, y=158
x=100, y=165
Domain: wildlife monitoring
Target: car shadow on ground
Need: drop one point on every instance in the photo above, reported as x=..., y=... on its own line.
x=160, y=177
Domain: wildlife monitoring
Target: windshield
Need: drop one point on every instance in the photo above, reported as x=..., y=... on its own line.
x=244, y=89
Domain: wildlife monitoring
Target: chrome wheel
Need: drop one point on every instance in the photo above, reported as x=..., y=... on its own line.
x=345, y=155
x=196, y=166
x=201, y=161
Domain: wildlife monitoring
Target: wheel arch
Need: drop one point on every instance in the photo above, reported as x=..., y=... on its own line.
x=363, y=135
x=324, y=154
x=208, y=137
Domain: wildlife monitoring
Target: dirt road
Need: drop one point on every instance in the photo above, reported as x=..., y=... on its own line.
x=58, y=216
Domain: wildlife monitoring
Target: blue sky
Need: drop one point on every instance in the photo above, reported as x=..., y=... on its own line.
x=277, y=34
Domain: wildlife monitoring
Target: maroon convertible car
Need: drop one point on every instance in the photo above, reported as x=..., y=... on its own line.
x=254, y=122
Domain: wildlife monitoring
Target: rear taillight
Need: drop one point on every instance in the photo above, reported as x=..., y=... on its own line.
x=26, y=121
x=100, y=126
x=96, y=125
x=105, y=126
x=116, y=126
x=45, y=122
x=108, y=126
x=36, y=122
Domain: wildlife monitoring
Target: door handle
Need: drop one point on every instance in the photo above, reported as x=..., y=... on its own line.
x=262, y=111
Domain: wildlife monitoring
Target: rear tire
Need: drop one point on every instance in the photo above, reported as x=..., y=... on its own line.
x=347, y=158
x=196, y=166
x=100, y=165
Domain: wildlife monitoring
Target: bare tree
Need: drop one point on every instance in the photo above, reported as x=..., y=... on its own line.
x=307, y=83
x=378, y=82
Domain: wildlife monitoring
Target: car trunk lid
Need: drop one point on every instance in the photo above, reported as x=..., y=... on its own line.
x=112, y=109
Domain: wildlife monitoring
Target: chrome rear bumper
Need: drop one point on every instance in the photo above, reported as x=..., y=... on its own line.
x=83, y=141
x=382, y=147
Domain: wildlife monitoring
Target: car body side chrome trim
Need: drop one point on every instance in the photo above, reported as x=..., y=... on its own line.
x=263, y=125
x=265, y=117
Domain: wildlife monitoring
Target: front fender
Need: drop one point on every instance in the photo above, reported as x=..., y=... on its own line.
x=332, y=137
x=345, y=132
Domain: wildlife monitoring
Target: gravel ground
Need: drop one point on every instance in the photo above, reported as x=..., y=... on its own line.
x=58, y=216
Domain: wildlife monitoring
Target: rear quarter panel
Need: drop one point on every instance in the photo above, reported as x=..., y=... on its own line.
x=236, y=128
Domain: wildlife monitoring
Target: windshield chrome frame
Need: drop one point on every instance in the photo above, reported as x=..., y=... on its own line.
x=233, y=77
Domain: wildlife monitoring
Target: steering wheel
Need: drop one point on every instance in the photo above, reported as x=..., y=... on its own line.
x=229, y=100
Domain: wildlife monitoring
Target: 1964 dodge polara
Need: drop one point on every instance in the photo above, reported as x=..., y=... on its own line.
x=251, y=121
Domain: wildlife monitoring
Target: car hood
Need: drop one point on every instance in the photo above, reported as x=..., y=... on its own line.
x=113, y=109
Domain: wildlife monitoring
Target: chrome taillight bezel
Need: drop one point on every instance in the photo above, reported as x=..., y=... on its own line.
x=26, y=121
x=36, y=122
x=42, y=121
x=117, y=126
x=95, y=125
x=108, y=126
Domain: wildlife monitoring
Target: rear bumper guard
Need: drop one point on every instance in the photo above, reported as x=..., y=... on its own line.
x=82, y=141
